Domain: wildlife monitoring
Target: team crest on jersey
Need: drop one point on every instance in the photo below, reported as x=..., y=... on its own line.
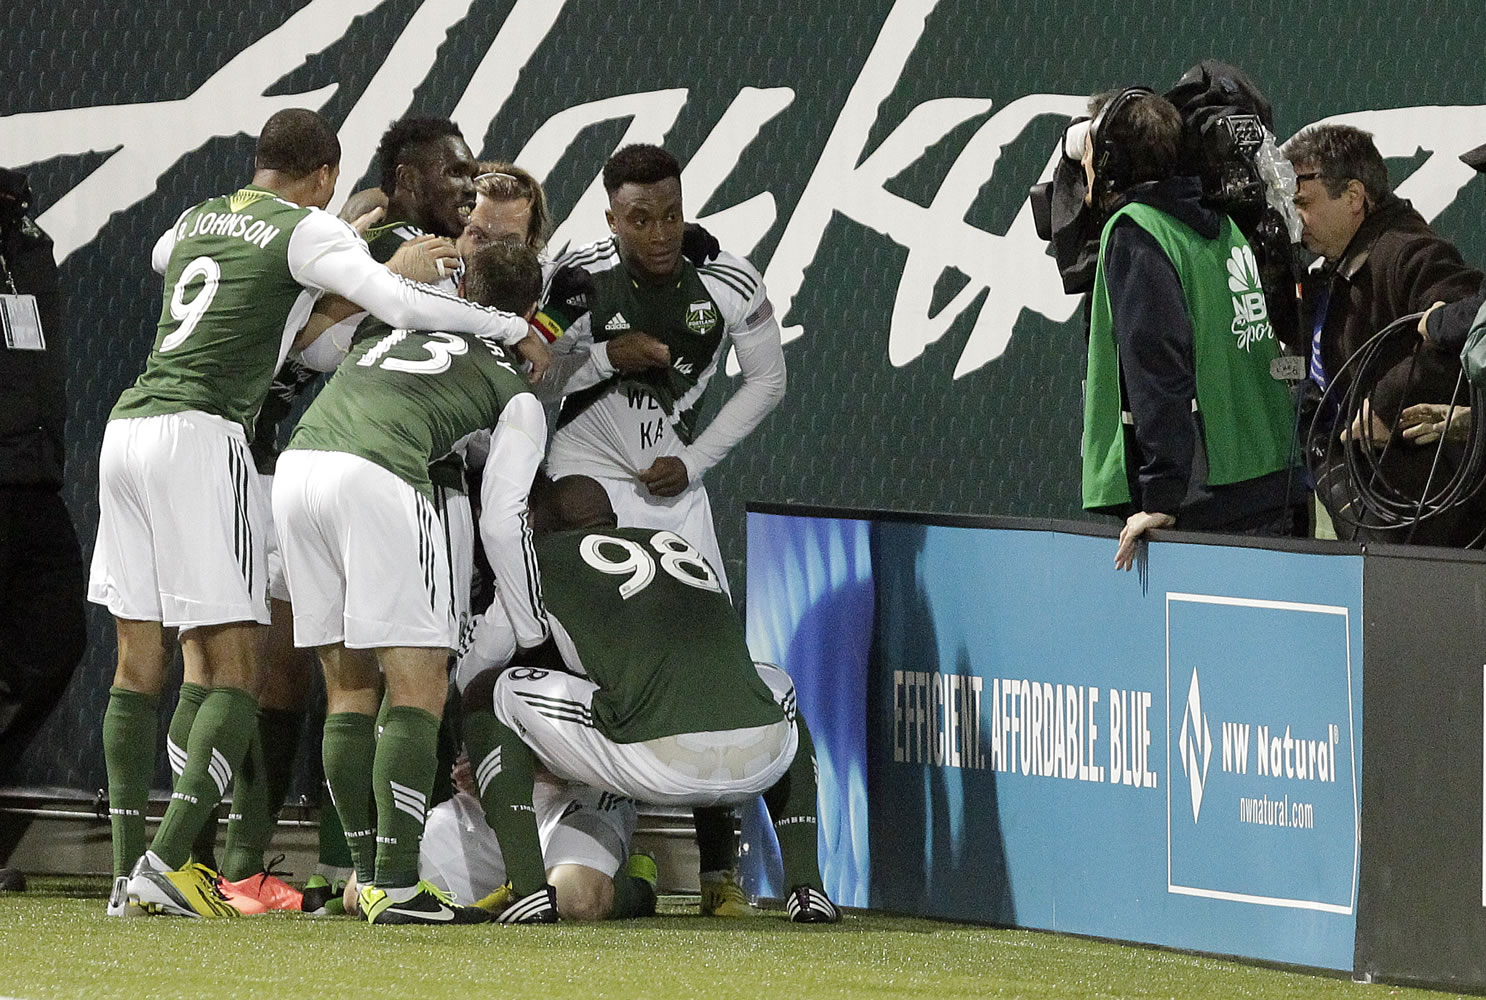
x=700, y=316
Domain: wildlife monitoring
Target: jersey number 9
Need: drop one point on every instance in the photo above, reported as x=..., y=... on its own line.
x=188, y=314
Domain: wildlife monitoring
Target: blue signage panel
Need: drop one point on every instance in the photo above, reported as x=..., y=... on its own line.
x=1168, y=757
x=809, y=610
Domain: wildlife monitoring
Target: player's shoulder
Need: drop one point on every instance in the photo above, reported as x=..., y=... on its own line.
x=732, y=281
x=594, y=257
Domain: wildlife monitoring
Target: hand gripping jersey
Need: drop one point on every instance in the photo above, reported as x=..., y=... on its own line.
x=650, y=625
x=614, y=424
x=242, y=272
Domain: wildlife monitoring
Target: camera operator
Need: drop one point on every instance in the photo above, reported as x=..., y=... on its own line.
x=42, y=630
x=1183, y=425
x=1380, y=261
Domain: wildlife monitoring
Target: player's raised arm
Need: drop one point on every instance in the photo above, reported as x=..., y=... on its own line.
x=325, y=253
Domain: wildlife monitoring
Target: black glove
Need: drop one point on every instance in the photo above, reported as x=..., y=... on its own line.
x=698, y=245
x=568, y=294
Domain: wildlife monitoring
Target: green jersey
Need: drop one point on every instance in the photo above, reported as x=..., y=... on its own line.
x=653, y=629
x=242, y=273
x=405, y=398
x=232, y=308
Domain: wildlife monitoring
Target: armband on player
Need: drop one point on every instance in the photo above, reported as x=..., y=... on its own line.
x=550, y=325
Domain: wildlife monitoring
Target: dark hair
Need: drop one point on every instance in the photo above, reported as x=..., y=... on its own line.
x=639, y=164
x=1145, y=133
x=1341, y=154
x=504, y=275
x=501, y=181
x=404, y=140
x=296, y=142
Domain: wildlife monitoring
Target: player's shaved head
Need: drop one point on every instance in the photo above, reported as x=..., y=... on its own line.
x=296, y=142
x=640, y=163
x=571, y=503
x=504, y=275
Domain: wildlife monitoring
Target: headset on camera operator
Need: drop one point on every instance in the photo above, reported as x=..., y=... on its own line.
x=1183, y=424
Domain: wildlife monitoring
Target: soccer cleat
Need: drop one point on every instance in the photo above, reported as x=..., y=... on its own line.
x=190, y=892
x=498, y=901
x=266, y=888
x=810, y=906
x=539, y=907
x=428, y=905
x=119, y=904
x=322, y=898
x=722, y=896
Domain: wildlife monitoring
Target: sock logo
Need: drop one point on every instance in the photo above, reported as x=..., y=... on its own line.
x=409, y=800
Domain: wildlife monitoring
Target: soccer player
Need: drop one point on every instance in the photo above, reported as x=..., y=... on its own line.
x=651, y=695
x=657, y=327
x=178, y=542
x=509, y=205
x=367, y=568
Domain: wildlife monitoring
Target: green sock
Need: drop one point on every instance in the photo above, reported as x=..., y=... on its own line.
x=402, y=779
x=258, y=792
x=249, y=824
x=717, y=838
x=219, y=740
x=450, y=740
x=334, y=851
x=633, y=897
x=204, y=846
x=793, y=810
x=347, y=753
x=130, y=734
x=503, y=767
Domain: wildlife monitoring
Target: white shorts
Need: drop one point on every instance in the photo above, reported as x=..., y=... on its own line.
x=363, y=554
x=278, y=587
x=552, y=711
x=577, y=826
x=453, y=508
x=178, y=535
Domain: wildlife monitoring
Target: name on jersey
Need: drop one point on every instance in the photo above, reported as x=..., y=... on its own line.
x=244, y=227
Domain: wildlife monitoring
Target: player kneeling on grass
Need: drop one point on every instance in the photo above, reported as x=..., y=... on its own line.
x=646, y=691
x=365, y=563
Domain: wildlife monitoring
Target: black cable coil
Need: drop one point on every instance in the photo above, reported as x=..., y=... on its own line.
x=1376, y=503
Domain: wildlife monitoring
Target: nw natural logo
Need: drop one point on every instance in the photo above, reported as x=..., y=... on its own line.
x=1196, y=745
x=1250, y=314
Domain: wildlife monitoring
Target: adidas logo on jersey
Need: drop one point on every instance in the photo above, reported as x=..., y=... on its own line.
x=617, y=323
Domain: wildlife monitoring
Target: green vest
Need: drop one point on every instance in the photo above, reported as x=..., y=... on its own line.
x=1246, y=416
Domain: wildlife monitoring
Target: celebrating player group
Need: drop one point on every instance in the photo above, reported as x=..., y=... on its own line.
x=489, y=527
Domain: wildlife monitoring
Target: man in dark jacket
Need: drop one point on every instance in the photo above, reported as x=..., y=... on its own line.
x=1183, y=425
x=42, y=629
x=1381, y=262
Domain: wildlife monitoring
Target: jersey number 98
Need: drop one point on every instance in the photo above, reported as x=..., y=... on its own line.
x=678, y=560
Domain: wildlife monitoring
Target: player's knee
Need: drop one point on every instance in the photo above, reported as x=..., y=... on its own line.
x=583, y=893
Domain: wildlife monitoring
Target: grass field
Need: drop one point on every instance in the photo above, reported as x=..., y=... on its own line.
x=56, y=942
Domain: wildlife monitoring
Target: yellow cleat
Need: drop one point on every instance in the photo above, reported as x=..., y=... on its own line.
x=189, y=892
x=722, y=896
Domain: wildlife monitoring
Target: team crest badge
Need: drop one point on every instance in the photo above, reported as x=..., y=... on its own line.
x=700, y=317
